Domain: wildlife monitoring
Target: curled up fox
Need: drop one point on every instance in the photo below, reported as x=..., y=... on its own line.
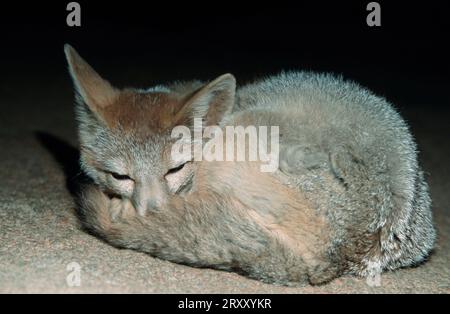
x=347, y=197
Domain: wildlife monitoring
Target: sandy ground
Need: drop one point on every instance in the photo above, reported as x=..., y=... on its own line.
x=40, y=235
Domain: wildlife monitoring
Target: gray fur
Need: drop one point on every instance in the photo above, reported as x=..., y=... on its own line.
x=370, y=150
x=344, y=150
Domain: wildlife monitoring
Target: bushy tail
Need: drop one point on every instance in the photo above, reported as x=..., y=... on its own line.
x=411, y=237
x=209, y=234
x=403, y=233
x=103, y=217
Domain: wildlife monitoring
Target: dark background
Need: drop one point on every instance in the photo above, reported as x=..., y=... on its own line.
x=142, y=43
x=145, y=42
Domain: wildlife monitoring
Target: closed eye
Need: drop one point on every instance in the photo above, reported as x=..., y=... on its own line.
x=176, y=169
x=120, y=176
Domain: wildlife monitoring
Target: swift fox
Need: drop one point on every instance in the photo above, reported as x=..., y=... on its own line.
x=348, y=196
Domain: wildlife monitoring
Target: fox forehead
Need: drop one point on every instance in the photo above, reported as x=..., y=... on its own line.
x=143, y=113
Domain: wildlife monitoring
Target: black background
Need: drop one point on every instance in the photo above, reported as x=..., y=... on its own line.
x=141, y=43
x=138, y=44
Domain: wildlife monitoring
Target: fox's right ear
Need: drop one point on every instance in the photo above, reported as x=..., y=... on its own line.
x=96, y=92
x=212, y=102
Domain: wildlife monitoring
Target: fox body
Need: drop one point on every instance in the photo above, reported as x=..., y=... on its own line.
x=348, y=196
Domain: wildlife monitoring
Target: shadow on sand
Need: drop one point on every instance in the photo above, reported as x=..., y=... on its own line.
x=68, y=158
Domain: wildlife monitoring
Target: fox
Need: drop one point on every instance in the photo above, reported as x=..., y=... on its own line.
x=347, y=198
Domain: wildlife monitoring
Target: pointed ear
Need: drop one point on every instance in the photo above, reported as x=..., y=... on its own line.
x=96, y=92
x=211, y=102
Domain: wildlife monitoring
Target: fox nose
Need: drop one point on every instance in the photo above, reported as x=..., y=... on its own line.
x=154, y=204
x=142, y=205
x=148, y=197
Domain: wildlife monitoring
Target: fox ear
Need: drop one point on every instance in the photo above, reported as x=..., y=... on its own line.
x=211, y=102
x=96, y=92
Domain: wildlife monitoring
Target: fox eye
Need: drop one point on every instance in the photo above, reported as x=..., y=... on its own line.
x=120, y=176
x=176, y=169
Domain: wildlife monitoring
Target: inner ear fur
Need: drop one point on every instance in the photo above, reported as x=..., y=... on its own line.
x=211, y=103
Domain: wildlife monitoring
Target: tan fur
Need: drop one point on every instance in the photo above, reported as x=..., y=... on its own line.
x=152, y=113
x=348, y=196
x=284, y=214
x=285, y=218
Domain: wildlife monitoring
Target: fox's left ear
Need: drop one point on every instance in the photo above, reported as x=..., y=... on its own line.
x=211, y=102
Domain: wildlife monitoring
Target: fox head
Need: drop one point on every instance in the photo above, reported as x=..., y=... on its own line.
x=125, y=134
